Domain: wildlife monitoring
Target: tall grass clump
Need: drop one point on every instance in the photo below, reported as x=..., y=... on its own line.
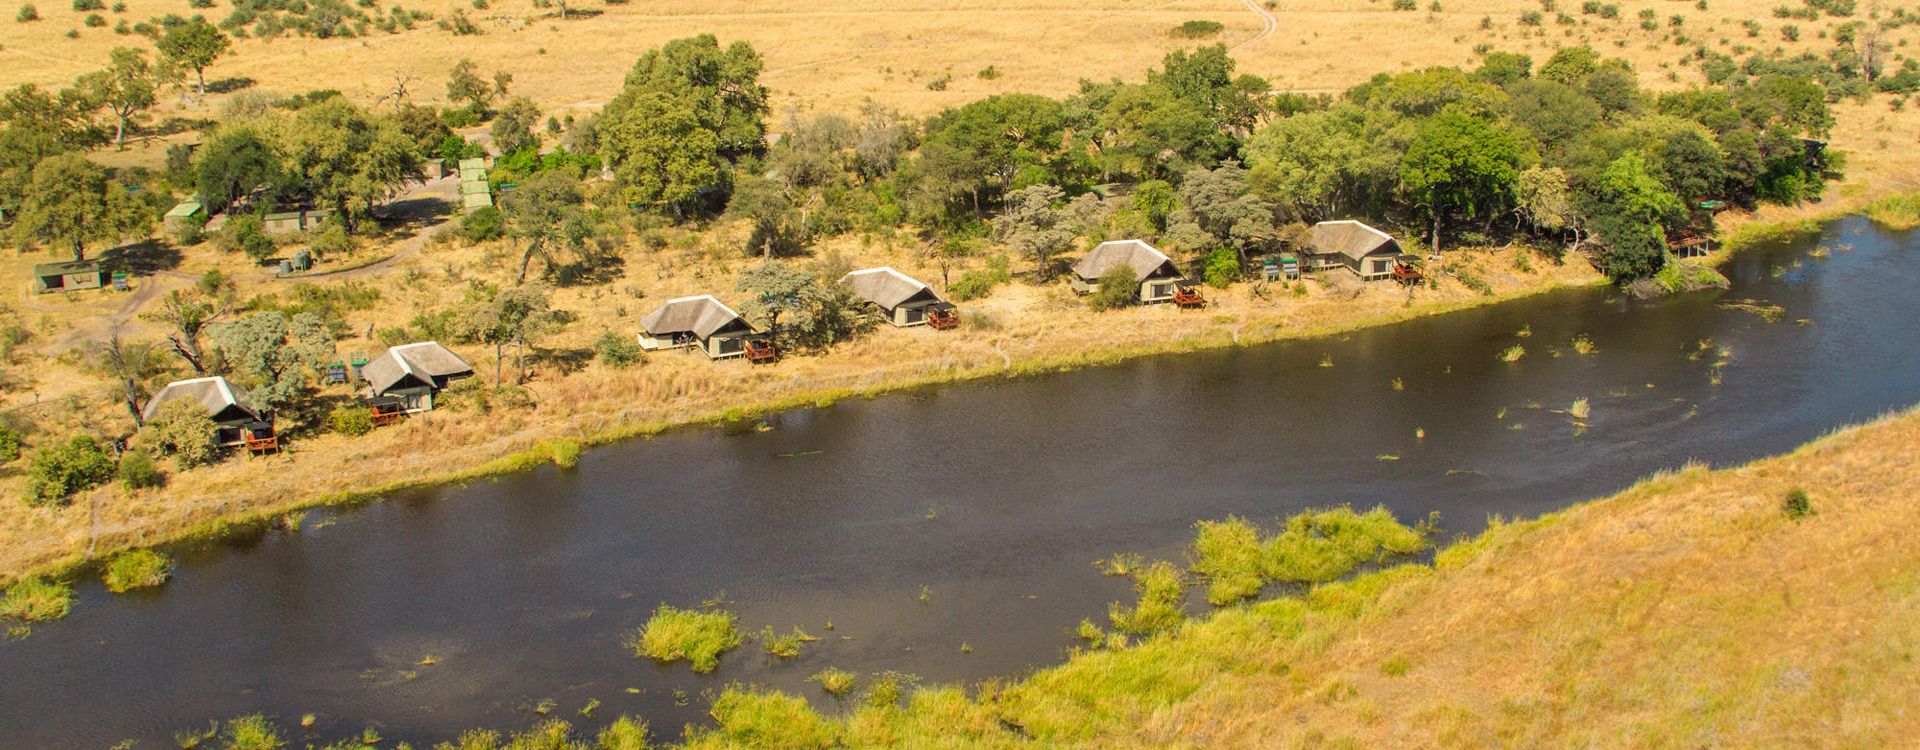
x=1899, y=213
x=835, y=681
x=1797, y=505
x=1320, y=546
x=765, y=720
x=785, y=646
x=139, y=569
x=251, y=733
x=1227, y=554
x=36, y=600
x=1162, y=588
x=699, y=637
x=1513, y=353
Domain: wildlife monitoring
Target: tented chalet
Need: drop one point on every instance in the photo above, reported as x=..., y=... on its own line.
x=904, y=300
x=1152, y=269
x=405, y=378
x=700, y=322
x=1369, y=253
x=234, y=423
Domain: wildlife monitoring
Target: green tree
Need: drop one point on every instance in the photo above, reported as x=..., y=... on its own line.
x=70, y=204
x=1116, y=288
x=126, y=88
x=1205, y=76
x=1035, y=227
x=183, y=429
x=660, y=153
x=187, y=313
x=547, y=214
x=513, y=128
x=1327, y=164
x=818, y=313
x=62, y=470
x=981, y=145
x=347, y=158
x=722, y=87
x=131, y=365
x=464, y=84
x=194, y=45
x=1630, y=210
x=1460, y=166
x=515, y=316
x=1218, y=202
x=273, y=353
x=235, y=162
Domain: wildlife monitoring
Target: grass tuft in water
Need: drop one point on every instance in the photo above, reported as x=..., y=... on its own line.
x=1513, y=353
x=834, y=681
x=1583, y=344
x=1162, y=588
x=699, y=637
x=1320, y=546
x=252, y=732
x=1580, y=409
x=785, y=646
x=138, y=569
x=1120, y=564
x=1227, y=554
x=36, y=600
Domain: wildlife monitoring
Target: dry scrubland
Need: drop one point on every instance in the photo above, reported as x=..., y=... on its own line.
x=825, y=55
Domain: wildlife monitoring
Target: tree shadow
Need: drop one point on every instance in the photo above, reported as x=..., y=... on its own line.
x=567, y=360
x=229, y=85
x=143, y=257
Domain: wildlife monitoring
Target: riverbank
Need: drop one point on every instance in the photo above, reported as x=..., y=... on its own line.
x=1021, y=330
x=1699, y=606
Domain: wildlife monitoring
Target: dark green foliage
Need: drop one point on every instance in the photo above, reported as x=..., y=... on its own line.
x=1797, y=504
x=9, y=443
x=483, y=224
x=247, y=234
x=61, y=470
x=234, y=163
x=82, y=6
x=1222, y=268
x=352, y=420
x=617, y=350
x=137, y=471
x=27, y=13
x=1116, y=288
x=688, y=111
x=979, y=283
x=1198, y=29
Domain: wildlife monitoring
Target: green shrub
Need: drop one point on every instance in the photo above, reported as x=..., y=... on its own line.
x=1162, y=591
x=616, y=350
x=1798, y=504
x=36, y=600
x=137, y=470
x=27, y=13
x=1198, y=29
x=82, y=6
x=483, y=224
x=352, y=420
x=1222, y=268
x=9, y=443
x=973, y=285
x=182, y=429
x=245, y=234
x=1117, y=288
x=459, y=117
x=698, y=636
x=1405, y=5
x=95, y=21
x=61, y=470
x=251, y=733
x=139, y=569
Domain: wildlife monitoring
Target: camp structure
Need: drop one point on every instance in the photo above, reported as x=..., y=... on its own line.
x=66, y=276
x=405, y=378
x=186, y=212
x=1152, y=269
x=902, y=299
x=699, y=322
x=234, y=424
x=1369, y=253
x=475, y=191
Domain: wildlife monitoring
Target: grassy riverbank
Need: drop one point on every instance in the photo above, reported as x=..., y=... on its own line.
x=1021, y=330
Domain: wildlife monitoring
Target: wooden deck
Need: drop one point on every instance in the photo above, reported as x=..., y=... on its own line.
x=943, y=320
x=1188, y=299
x=762, y=352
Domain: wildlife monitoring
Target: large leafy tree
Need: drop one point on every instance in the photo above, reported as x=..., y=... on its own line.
x=722, y=86
x=345, y=157
x=660, y=153
x=513, y=128
x=1205, y=77
x=1035, y=226
x=70, y=205
x=817, y=313
x=36, y=124
x=515, y=316
x=1460, y=166
x=194, y=45
x=126, y=88
x=687, y=112
x=1630, y=210
x=1326, y=164
x=982, y=145
x=273, y=353
x=547, y=214
x=235, y=162
x=1219, y=204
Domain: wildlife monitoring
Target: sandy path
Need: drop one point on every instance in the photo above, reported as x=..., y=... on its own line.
x=1268, y=24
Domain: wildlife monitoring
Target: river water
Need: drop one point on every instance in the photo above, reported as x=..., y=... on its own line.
x=520, y=590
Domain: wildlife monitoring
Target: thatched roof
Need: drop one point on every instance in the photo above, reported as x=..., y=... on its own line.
x=886, y=287
x=214, y=393
x=426, y=362
x=700, y=315
x=1351, y=239
x=1145, y=261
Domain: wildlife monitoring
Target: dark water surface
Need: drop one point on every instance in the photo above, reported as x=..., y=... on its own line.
x=522, y=588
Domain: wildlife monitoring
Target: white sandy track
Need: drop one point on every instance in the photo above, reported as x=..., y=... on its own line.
x=1268, y=24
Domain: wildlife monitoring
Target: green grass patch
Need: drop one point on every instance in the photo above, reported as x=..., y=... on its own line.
x=1513, y=353
x=835, y=681
x=1227, y=553
x=785, y=646
x=138, y=569
x=1320, y=546
x=698, y=636
x=1677, y=276
x=1899, y=213
x=1755, y=233
x=36, y=600
x=1162, y=588
x=765, y=721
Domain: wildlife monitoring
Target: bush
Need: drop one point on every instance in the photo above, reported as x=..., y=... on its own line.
x=1405, y=5
x=182, y=429
x=1117, y=288
x=139, y=569
x=698, y=636
x=82, y=6
x=137, y=470
x=980, y=283
x=1222, y=268
x=1198, y=29
x=95, y=21
x=459, y=117
x=836, y=682
x=247, y=234
x=1797, y=505
x=60, y=471
x=9, y=444
x=352, y=420
x=27, y=13
x=617, y=350
x=199, y=3
x=483, y=224
x=36, y=600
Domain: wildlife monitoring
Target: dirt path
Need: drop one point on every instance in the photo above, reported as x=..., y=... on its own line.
x=1268, y=24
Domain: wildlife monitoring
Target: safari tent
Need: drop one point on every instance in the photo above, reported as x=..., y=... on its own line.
x=1367, y=252
x=406, y=377
x=233, y=422
x=1152, y=269
x=701, y=322
x=902, y=299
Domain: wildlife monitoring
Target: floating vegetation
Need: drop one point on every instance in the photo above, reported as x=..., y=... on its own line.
x=700, y=637
x=1580, y=409
x=36, y=600
x=926, y=594
x=932, y=513
x=1326, y=360
x=965, y=649
x=1803, y=321
x=139, y=569
x=834, y=681
x=429, y=660
x=1767, y=312
x=1387, y=457
x=1313, y=547
x=1419, y=433
x=1120, y=564
x=1399, y=385
x=1501, y=414
x=1525, y=331
x=1513, y=353
x=1584, y=346
x=1777, y=271
x=1821, y=252
x=587, y=710
x=1089, y=632
x=785, y=646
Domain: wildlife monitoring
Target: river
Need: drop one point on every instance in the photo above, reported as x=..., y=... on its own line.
x=519, y=590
